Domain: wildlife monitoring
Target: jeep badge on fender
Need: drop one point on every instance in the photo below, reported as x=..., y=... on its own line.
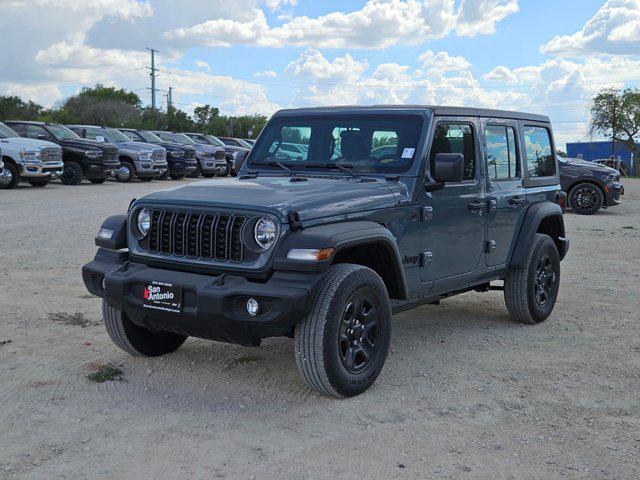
x=339, y=218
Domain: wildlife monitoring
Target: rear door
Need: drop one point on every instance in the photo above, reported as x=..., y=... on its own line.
x=453, y=227
x=505, y=190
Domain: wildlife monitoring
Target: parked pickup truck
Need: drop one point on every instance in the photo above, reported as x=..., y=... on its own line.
x=36, y=161
x=325, y=251
x=235, y=155
x=181, y=159
x=212, y=161
x=82, y=158
x=142, y=160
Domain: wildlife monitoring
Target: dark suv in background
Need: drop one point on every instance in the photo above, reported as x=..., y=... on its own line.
x=82, y=158
x=212, y=161
x=181, y=159
x=589, y=185
x=235, y=155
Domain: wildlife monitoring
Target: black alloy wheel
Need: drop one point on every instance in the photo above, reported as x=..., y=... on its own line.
x=358, y=332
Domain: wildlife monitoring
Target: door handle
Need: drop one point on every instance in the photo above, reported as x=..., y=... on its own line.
x=476, y=206
x=517, y=200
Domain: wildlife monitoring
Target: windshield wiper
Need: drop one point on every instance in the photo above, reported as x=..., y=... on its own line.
x=283, y=166
x=342, y=167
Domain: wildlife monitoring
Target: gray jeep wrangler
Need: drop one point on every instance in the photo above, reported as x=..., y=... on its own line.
x=382, y=210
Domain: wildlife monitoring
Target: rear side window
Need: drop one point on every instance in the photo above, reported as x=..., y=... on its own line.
x=455, y=138
x=541, y=160
x=502, y=158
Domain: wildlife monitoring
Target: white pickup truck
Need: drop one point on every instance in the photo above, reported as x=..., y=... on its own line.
x=36, y=161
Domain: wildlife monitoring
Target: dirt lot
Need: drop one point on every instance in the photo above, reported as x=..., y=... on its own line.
x=465, y=392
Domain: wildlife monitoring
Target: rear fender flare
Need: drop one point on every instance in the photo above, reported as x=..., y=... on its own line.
x=535, y=216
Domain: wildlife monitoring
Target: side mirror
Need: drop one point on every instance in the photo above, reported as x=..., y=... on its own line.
x=449, y=167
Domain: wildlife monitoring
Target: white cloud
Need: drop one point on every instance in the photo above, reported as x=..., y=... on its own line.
x=614, y=29
x=202, y=65
x=274, y=5
x=266, y=73
x=312, y=64
x=378, y=24
x=44, y=94
x=443, y=62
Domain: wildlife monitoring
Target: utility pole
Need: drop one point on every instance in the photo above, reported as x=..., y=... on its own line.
x=613, y=130
x=153, y=78
x=170, y=98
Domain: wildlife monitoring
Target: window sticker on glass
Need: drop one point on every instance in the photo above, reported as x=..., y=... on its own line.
x=408, y=152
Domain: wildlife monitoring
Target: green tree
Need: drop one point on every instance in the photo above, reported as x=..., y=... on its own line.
x=14, y=108
x=616, y=114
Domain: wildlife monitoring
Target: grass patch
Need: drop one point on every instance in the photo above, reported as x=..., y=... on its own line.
x=105, y=372
x=629, y=227
x=74, y=319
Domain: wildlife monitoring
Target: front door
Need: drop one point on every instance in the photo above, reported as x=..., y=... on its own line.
x=506, y=196
x=453, y=223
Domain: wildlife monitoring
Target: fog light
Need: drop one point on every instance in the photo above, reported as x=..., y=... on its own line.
x=253, y=307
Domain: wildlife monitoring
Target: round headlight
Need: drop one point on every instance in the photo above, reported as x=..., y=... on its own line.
x=144, y=221
x=265, y=233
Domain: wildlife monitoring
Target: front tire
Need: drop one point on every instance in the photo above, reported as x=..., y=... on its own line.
x=10, y=177
x=137, y=340
x=196, y=173
x=586, y=199
x=126, y=172
x=530, y=291
x=341, y=346
x=71, y=173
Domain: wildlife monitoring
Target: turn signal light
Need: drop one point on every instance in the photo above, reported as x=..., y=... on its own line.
x=310, y=254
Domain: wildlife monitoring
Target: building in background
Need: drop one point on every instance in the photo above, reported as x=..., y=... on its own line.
x=592, y=151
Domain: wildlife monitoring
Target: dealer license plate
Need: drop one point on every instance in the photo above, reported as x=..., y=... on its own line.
x=162, y=296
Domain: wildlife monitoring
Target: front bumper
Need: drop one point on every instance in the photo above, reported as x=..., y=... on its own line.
x=101, y=169
x=41, y=169
x=183, y=167
x=213, y=307
x=151, y=169
x=212, y=165
x=614, y=191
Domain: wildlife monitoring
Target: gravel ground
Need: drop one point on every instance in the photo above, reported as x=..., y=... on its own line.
x=465, y=392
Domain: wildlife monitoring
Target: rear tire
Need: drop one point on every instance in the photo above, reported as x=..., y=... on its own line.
x=10, y=177
x=39, y=183
x=137, y=340
x=341, y=346
x=586, y=199
x=126, y=172
x=71, y=174
x=530, y=291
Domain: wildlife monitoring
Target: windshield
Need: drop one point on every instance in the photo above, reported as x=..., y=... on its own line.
x=215, y=141
x=366, y=143
x=148, y=136
x=61, y=132
x=244, y=143
x=175, y=138
x=116, y=135
x=6, y=132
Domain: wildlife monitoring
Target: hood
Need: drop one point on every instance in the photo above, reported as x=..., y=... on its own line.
x=138, y=146
x=313, y=198
x=233, y=148
x=594, y=167
x=23, y=142
x=85, y=143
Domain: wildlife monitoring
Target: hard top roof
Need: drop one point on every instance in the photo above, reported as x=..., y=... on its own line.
x=437, y=110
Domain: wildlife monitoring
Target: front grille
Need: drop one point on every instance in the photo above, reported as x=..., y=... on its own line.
x=51, y=154
x=159, y=155
x=220, y=155
x=109, y=154
x=190, y=154
x=197, y=235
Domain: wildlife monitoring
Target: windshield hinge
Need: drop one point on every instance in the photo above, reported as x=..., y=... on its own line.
x=294, y=221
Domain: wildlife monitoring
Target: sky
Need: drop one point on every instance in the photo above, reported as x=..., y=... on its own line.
x=257, y=56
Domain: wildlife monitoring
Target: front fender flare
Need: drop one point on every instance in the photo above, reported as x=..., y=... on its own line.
x=340, y=236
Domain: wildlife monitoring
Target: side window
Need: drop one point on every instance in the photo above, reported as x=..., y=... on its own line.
x=37, y=132
x=502, y=160
x=133, y=136
x=93, y=134
x=455, y=138
x=20, y=128
x=541, y=160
